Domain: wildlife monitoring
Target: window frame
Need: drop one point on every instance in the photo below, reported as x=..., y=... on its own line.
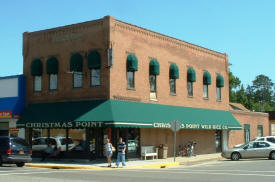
x=131, y=85
x=218, y=93
x=35, y=81
x=173, y=91
x=81, y=75
x=50, y=81
x=91, y=77
x=205, y=91
x=190, y=85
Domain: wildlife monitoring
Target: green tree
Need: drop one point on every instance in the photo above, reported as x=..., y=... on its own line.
x=234, y=83
x=262, y=89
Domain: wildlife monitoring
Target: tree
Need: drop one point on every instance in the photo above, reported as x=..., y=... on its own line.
x=234, y=83
x=262, y=89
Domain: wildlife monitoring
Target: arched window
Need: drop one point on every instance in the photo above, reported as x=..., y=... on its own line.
x=153, y=72
x=36, y=72
x=76, y=62
x=206, y=82
x=52, y=71
x=191, y=77
x=219, y=85
x=94, y=64
x=132, y=67
x=173, y=75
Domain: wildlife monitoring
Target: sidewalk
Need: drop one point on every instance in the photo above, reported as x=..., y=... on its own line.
x=131, y=164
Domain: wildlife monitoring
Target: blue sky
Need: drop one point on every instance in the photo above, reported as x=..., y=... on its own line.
x=244, y=29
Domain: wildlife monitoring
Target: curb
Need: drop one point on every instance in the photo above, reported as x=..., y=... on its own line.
x=201, y=160
x=57, y=166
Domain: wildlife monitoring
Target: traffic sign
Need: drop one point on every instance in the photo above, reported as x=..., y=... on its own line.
x=175, y=125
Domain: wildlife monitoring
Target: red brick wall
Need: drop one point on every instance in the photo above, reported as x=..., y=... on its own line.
x=62, y=42
x=253, y=119
x=145, y=45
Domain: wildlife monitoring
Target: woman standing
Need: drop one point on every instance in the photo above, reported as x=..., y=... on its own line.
x=109, y=152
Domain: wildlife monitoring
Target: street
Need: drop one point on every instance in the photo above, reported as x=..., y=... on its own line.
x=226, y=171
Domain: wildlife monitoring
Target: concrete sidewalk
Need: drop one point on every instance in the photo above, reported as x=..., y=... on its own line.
x=131, y=164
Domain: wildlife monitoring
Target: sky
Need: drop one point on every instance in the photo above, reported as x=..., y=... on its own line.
x=244, y=29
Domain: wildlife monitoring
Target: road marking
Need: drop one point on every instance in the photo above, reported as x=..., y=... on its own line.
x=39, y=172
x=205, y=173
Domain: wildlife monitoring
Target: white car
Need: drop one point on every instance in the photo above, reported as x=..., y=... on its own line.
x=264, y=138
x=40, y=144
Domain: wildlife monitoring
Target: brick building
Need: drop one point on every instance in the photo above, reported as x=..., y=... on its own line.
x=107, y=78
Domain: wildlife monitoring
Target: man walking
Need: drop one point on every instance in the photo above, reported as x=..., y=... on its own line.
x=121, y=153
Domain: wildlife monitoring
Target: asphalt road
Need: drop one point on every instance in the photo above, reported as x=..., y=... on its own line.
x=219, y=171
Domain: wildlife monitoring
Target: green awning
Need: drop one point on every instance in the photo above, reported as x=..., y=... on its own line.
x=132, y=63
x=191, y=75
x=76, y=62
x=52, y=66
x=154, y=67
x=36, y=67
x=206, y=78
x=116, y=113
x=220, y=81
x=174, y=71
x=94, y=60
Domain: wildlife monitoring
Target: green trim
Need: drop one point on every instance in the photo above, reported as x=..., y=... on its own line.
x=52, y=66
x=36, y=67
x=220, y=81
x=94, y=60
x=206, y=78
x=132, y=63
x=154, y=67
x=191, y=75
x=173, y=71
x=76, y=63
x=116, y=113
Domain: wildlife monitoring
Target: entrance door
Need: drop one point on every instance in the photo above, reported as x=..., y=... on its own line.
x=218, y=140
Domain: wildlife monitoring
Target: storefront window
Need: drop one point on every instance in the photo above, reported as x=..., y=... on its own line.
x=246, y=133
x=4, y=128
x=77, y=140
x=260, y=130
x=133, y=142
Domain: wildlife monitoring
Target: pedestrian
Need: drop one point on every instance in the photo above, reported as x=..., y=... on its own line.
x=121, y=153
x=109, y=152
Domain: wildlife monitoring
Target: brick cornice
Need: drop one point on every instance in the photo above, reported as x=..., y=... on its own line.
x=176, y=42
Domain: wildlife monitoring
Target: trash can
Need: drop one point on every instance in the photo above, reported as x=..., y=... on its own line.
x=162, y=151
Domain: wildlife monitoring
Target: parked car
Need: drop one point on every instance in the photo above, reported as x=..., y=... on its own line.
x=263, y=138
x=14, y=150
x=253, y=149
x=40, y=144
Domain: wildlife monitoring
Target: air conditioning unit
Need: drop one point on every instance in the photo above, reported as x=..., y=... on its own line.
x=110, y=56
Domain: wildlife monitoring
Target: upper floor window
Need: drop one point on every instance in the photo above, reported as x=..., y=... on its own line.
x=37, y=83
x=94, y=64
x=173, y=75
x=36, y=72
x=52, y=70
x=191, y=77
x=153, y=72
x=219, y=85
x=76, y=67
x=132, y=67
x=206, y=81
